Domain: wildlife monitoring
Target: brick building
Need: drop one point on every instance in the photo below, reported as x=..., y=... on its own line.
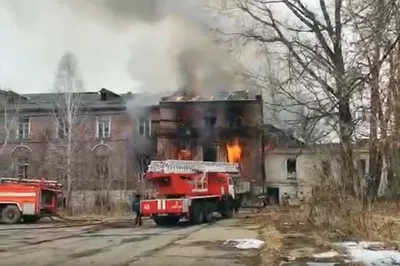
x=34, y=137
x=187, y=126
x=111, y=141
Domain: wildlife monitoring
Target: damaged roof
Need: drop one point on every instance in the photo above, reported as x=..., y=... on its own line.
x=105, y=98
x=189, y=96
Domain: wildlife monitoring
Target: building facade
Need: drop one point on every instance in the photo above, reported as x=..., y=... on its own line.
x=294, y=170
x=52, y=135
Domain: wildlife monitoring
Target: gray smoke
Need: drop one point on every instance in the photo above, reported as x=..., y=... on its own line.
x=187, y=46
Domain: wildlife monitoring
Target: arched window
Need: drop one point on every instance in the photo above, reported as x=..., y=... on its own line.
x=101, y=162
x=21, y=160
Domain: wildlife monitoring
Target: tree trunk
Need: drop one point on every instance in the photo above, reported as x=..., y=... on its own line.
x=69, y=164
x=346, y=149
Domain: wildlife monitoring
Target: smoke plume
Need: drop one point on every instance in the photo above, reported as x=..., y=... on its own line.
x=192, y=56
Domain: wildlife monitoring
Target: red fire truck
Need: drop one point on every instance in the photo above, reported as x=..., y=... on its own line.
x=190, y=189
x=27, y=199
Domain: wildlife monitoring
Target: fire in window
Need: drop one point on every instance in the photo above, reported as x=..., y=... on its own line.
x=291, y=167
x=103, y=127
x=184, y=150
x=144, y=126
x=23, y=128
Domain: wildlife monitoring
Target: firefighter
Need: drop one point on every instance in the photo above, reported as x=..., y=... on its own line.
x=136, y=210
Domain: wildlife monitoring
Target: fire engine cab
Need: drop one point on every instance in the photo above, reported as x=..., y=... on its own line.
x=190, y=189
x=27, y=199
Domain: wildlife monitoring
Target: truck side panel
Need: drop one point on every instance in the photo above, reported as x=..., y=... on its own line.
x=164, y=206
x=25, y=199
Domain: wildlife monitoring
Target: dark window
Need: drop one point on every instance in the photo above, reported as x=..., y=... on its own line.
x=103, y=125
x=210, y=119
x=103, y=96
x=47, y=197
x=326, y=168
x=22, y=167
x=210, y=153
x=102, y=166
x=23, y=128
x=362, y=166
x=144, y=126
x=291, y=166
x=234, y=117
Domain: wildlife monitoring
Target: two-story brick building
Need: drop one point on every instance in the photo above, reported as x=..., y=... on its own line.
x=110, y=140
x=35, y=138
x=204, y=128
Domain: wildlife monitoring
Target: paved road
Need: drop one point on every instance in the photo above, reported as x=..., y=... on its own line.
x=122, y=245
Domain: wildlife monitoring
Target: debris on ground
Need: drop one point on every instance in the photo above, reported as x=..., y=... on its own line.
x=245, y=243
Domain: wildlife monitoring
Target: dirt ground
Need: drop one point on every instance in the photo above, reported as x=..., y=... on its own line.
x=291, y=240
x=119, y=244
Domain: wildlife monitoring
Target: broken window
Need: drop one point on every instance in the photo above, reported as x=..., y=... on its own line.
x=291, y=166
x=23, y=128
x=144, y=126
x=103, y=127
x=234, y=117
x=22, y=167
x=210, y=119
x=210, y=153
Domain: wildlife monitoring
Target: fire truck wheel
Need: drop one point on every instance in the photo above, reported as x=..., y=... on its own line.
x=30, y=218
x=197, y=216
x=209, y=208
x=11, y=214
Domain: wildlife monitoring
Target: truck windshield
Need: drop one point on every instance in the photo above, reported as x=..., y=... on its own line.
x=47, y=197
x=162, y=181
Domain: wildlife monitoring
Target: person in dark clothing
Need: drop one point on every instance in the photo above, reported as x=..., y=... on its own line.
x=237, y=203
x=136, y=209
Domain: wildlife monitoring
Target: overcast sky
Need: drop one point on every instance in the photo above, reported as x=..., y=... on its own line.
x=35, y=34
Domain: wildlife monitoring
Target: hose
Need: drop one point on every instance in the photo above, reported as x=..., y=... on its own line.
x=72, y=223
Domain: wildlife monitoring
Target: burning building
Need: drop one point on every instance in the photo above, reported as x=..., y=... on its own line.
x=223, y=128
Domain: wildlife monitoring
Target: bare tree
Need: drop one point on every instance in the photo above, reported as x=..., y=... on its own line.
x=372, y=23
x=320, y=60
x=9, y=109
x=70, y=120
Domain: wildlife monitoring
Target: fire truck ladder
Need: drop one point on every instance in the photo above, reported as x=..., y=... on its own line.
x=186, y=167
x=30, y=181
x=200, y=184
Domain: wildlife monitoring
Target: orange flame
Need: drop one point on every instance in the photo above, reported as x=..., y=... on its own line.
x=184, y=155
x=234, y=151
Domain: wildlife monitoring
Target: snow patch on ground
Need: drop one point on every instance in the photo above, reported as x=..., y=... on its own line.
x=325, y=255
x=370, y=254
x=245, y=243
